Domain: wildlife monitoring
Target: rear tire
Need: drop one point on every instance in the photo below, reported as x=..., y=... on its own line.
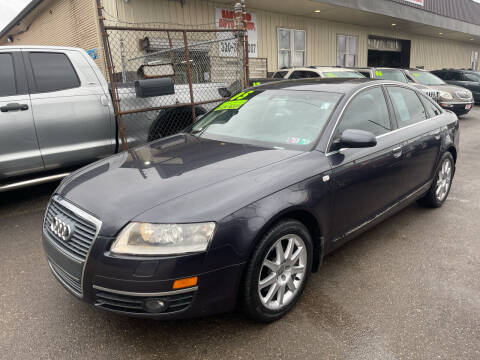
x=277, y=272
x=441, y=185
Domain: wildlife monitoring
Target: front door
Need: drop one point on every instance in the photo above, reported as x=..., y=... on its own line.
x=70, y=110
x=19, y=151
x=365, y=181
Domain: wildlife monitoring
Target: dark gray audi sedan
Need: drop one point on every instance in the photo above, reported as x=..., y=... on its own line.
x=243, y=206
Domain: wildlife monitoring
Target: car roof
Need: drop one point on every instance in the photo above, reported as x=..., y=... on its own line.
x=373, y=67
x=317, y=68
x=39, y=47
x=333, y=85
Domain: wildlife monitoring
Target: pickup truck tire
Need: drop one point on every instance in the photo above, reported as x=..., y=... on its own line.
x=172, y=121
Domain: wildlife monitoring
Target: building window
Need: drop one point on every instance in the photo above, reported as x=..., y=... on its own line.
x=347, y=50
x=291, y=47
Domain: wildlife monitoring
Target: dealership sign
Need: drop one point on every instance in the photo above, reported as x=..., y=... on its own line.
x=417, y=2
x=225, y=19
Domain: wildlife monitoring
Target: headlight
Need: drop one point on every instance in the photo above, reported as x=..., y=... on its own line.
x=163, y=239
x=446, y=95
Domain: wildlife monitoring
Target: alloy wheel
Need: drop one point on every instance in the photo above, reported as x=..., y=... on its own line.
x=282, y=272
x=444, y=180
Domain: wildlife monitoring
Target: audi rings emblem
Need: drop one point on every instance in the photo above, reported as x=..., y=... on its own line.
x=61, y=228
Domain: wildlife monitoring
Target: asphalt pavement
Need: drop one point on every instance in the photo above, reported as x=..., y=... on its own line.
x=407, y=289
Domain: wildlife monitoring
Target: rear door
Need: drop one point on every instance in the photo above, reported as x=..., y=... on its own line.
x=418, y=126
x=365, y=181
x=70, y=108
x=19, y=151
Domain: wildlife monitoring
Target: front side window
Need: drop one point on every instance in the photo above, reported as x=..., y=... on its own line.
x=368, y=111
x=432, y=108
x=291, y=47
x=8, y=86
x=408, y=107
x=426, y=78
x=472, y=77
x=347, y=50
x=343, y=74
x=53, y=72
x=270, y=118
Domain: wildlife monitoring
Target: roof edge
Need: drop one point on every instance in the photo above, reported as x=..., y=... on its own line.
x=27, y=10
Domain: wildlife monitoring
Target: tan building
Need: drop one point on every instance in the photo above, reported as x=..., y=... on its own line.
x=407, y=33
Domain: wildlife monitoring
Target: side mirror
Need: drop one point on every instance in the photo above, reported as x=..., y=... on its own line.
x=352, y=138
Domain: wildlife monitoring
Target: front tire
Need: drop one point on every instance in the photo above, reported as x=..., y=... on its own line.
x=440, y=188
x=277, y=271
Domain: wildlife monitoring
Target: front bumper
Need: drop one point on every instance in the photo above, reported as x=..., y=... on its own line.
x=457, y=107
x=124, y=284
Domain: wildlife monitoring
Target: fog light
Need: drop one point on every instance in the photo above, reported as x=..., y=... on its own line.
x=155, y=305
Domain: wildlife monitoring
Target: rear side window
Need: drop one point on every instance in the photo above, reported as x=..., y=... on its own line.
x=8, y=86
x=280, y=74
x=408, y=107
x=368, y=111
x=53, y=72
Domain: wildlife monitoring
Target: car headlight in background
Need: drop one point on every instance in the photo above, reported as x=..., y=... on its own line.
x=163, y=239
x=445, y=95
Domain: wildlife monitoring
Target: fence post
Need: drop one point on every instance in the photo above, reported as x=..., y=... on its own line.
x=189, y=74
x=239, y=25
x=245, y=45
x=113, y=83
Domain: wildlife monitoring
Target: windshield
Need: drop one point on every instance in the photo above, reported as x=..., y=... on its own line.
x=343, y=74
x=426, y=78
x=273, y=118
x=391, y=74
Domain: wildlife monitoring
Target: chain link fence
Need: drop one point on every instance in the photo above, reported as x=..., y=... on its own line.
x=201, y=62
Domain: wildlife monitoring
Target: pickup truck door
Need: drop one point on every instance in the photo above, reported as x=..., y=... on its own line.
x=19, y=151
x=70, y=108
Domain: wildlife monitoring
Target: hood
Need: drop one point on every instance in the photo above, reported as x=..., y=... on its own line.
x=458, y=93
x=117, y=189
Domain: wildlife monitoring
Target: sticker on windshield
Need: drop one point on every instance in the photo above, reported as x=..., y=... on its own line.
x=378, y=73
x=415, y=74
x=297, y=141
x=331, y=75
x=235, y=102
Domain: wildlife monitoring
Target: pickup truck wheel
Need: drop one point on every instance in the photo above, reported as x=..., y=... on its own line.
x=277, y=271
x=172, y=121
x=440, y=188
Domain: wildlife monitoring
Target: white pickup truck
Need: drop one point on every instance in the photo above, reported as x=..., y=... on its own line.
x=56, y=113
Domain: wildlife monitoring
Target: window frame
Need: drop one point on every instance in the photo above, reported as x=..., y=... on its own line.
x=292, y=47
x=31, y=74
x=391, y=115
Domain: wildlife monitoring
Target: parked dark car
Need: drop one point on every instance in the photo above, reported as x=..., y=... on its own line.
x=451, y=97
x=468, y=79
x=245, y=204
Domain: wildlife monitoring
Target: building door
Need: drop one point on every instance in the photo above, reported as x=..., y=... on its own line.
x=385, y=52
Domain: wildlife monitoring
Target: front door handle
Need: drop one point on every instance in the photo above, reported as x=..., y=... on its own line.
x=397, y=152
x=14, y=107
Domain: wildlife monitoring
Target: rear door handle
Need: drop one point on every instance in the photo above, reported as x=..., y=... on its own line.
x=14, y=107
x=397, y=152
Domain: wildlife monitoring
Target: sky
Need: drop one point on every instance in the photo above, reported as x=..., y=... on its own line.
x=9, y=9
